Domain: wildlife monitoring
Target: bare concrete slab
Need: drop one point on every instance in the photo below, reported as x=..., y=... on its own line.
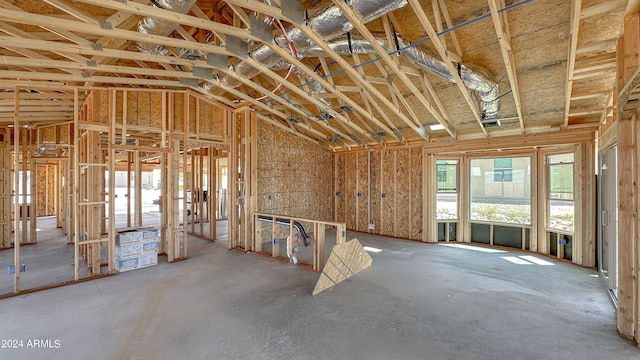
x=417, y=301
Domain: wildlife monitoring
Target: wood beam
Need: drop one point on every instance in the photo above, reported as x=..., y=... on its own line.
x=358, y=22
x=442, y=51
x=352, y=73
x=573, y=44
x=502, y=30
x=72, y=11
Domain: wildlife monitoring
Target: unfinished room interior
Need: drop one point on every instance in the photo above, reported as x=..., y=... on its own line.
x=319, y=179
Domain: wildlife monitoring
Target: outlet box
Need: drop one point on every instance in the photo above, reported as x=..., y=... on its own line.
x=372, y=227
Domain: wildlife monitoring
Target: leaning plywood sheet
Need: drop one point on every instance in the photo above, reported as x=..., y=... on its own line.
x=344, y=261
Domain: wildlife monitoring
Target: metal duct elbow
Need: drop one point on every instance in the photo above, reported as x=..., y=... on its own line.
x=154, y=26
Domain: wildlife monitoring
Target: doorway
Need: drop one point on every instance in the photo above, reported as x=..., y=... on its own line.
x=608, y=220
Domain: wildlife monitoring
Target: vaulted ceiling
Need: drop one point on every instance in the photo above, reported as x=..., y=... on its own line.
x=343, y=74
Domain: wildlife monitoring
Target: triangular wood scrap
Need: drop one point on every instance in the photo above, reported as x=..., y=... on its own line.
x=344, y=261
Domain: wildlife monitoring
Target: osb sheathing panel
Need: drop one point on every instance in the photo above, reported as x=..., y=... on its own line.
x=144, y=108
x=45, y=181
x=192, y=113
x=132, y=108
x=388, y=190
x=263, y=232
x=376, y=183
x=340, y=187
x=178, y=112
x=48, y=135
x=101, y=107
x=344, y=261
x=51, y=176
x=63, y=134
x=363, y=191
x=41, y=186
x=213, y=119
x=403, y=196
x=351, y=167
x=416, y=194
x=156, y=110
x=119, y=108
x=295, y=178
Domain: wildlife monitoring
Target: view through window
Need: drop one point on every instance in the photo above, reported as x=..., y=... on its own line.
x=447, y=191
x=561, y=201
x=500, y=190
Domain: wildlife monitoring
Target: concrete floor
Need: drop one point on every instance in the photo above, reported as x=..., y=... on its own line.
x=417, y=301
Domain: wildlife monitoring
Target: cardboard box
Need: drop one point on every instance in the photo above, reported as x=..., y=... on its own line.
x=131, y=249
x=127, y=263
x=147, y=233
x=150, y=246
x=128, y=236
x=146, y=260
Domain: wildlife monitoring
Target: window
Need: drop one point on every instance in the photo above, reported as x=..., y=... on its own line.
x=447, y=190
x=560, y=194
x=500, y=190
x=502, y=170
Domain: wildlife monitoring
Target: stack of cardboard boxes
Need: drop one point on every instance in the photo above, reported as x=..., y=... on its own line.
x=137, y=248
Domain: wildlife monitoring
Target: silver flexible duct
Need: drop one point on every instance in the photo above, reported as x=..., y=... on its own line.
x=155, y=26
x=330, y=23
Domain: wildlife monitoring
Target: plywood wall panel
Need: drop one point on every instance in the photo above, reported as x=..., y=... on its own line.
x=45, y=189
x=51, y=190
x=363, y=191
x=295, y=177
x=156, y=110
x=340, y=188
x=376, y=183
x=350, y=190
x=416, y=194
x=41, y=194
x=102, y=113
x=388, y=192
x=48, y=135
x=403, y=196
x=192, y=113
x=144, y=109
x=178, y=112
x=132, y=107
x=119, y=107
x=217, y=121
x=63, y=134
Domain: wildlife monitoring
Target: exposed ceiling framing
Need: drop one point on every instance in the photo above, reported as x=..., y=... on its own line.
x=552, y=61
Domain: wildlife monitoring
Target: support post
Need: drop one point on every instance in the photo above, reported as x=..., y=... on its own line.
x=16, y=167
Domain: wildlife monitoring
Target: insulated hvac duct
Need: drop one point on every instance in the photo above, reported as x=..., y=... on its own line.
x=475, y=79
x=330, y=24
x=155, y=26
